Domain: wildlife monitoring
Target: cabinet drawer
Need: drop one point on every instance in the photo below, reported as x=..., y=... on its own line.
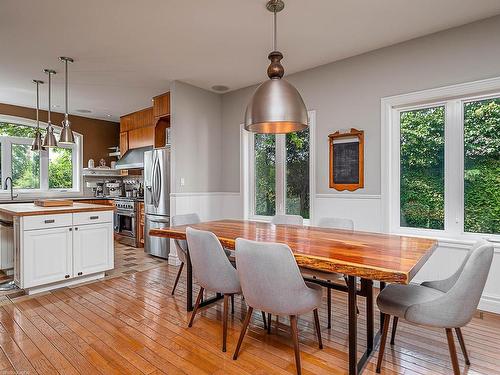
x=47, y=221
x=82, y=218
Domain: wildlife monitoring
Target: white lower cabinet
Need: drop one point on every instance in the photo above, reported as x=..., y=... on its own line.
x=50, y=255
x=92, y=248
x=47, y=255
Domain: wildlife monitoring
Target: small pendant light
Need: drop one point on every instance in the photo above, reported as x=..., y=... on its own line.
x=276, y=106
x=66, y=133
x=37, y=142
x=50, y=139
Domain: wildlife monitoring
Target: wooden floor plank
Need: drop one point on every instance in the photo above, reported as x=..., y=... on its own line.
x=132, y=325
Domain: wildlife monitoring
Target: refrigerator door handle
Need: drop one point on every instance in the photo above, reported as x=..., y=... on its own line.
x=157, y=181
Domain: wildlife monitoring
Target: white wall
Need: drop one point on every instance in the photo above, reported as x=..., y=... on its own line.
x=196, y=139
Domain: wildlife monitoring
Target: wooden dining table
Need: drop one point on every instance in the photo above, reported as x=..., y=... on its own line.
x=364, y=257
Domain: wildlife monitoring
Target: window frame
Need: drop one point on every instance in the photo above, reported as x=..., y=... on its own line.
x=44, y=190
x=280, y=166
x=453, y=98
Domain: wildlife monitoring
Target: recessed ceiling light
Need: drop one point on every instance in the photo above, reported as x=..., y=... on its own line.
x=55, y=105
x=83, y=111
x=220, y=88
x=108, y=115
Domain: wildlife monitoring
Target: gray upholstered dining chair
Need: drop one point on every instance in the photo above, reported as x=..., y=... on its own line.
x=271, y=281
x=448, y=304
x=333, y=223
x=287, y=220
x=336, y=223
x=181, y=245
x=212, y=271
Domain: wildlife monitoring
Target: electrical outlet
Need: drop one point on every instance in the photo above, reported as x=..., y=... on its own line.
x=183, y=182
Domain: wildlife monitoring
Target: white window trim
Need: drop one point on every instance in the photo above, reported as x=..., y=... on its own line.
x=453, y=98
x=248, y=173
x=44, y=191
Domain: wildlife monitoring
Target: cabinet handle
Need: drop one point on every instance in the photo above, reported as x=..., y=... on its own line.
x=66, y=277
x=50, y=221
x=94, y=217
x=80, y=273
x=70, y=229
x=76, y=228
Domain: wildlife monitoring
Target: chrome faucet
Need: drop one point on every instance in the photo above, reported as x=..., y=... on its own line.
x=12, y=196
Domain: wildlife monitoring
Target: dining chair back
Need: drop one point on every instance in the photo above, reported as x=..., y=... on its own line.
x=213, y=272
x=336, y=223
x=181, y=245
x=271, y=281
x=448, y=304
x=287, y=220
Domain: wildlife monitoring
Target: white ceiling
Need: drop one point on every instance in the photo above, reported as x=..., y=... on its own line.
x=127, y=51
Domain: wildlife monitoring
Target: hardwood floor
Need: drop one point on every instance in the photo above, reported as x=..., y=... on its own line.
x=131, y=324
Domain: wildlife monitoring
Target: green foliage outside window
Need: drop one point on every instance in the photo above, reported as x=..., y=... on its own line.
x=26, y=164
x=422, y=168
x=265, y=174
x=482, y=166
x=297, y=173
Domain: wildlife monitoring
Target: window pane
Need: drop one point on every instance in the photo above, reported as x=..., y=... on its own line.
x=60, y=168
x=25, y=167
x=265, y=174
x=422, y=168
x=482, y=166
x=297, y=173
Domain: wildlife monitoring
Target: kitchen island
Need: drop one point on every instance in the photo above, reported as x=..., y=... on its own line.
x=58, y=246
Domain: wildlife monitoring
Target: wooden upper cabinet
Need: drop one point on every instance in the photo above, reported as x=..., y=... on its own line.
x=141, y=137
x=161, y=105
x=136, y=120
x=123, y=142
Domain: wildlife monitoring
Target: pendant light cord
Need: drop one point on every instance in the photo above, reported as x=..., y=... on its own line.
x=66, y=88
x=275, y=31
x=48, y=112
x=37, y=106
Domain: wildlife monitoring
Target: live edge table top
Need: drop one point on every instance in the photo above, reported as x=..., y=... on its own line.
x=374, y=256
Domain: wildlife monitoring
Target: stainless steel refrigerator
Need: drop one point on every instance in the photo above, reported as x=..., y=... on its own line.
x=157, y=200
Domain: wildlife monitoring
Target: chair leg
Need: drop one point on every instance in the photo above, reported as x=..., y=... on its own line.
x=224, y=321
x=243, y=331
x=264, y=319
x=329, y=306
x=196, y=305
x=295, y=337
x=385, y=330
x=458, y=331
x=232, y=304
x=394, y=328
x=177, y=277
x=269, y=316
x=318, y=328
x=453, y=351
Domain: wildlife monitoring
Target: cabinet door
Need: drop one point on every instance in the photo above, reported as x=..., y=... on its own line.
x=123, y=142
x=141, y=137
x=47, y=256
x=92, y=248
x=161, y=105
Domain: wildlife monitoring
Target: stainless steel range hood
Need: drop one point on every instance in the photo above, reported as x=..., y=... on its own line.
x=133, y=158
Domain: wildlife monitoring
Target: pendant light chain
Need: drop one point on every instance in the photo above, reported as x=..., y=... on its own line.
x=37, y=105
x=275, y=39
x=66, y=86
x=48, y=112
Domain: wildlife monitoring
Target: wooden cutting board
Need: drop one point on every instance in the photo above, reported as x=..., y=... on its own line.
x=53, y=202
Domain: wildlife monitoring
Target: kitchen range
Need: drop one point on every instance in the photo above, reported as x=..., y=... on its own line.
x=125, y=221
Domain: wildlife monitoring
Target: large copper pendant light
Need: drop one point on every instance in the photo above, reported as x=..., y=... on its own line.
x=66, y=133
x=37, y=144
x=50, y=139
x=276, y=106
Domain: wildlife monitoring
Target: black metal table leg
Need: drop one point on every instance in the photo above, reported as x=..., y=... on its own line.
x=382, y=286
x=369, y=315
x=353, y=325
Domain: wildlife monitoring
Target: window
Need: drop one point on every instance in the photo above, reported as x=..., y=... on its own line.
x=443, y=173
x=279, y=173
x=55, y=169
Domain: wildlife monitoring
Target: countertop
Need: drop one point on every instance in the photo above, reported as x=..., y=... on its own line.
x=29, y=209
